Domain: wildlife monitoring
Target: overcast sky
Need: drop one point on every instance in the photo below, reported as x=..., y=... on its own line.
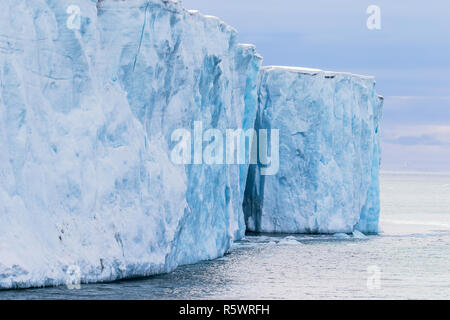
x=409, y=56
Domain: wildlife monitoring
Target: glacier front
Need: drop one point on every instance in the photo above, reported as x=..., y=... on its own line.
x=329, y=153
x=87, y=108
x=90, y=95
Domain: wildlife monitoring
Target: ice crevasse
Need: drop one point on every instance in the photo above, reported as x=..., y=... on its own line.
x=86, y=117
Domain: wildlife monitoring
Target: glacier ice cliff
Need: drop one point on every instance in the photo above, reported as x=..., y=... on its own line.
x=86, y=117
x=329, y=153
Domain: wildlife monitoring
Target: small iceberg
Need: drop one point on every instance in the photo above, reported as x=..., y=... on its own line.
x=359, y=235
x=341, y=236
x=290, y=240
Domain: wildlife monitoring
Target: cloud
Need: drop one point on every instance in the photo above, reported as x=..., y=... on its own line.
x=416, y=147
x=415, y=157
x=427, y=140
x=416, y=110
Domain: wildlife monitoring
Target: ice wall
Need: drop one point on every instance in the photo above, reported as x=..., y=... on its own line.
x=329, y=153
x=86, y=117
x=87, y=110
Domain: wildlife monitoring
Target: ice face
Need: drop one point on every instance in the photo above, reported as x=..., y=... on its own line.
x=329, y=151
x=89, y=98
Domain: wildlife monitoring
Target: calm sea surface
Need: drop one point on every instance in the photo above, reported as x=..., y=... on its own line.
x=410, y=259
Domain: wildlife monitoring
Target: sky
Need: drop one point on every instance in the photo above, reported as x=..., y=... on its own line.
x=409, y=56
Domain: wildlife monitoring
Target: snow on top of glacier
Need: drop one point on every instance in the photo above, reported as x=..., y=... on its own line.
x=247, y=45
x=313, y=72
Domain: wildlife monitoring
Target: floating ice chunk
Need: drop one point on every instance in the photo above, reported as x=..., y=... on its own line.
x=359, y=235
x=341, y=236
x=290, y=240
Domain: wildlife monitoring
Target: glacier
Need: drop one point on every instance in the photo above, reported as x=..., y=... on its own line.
x=86, y=119
x=329, y=149
x=86, y=116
